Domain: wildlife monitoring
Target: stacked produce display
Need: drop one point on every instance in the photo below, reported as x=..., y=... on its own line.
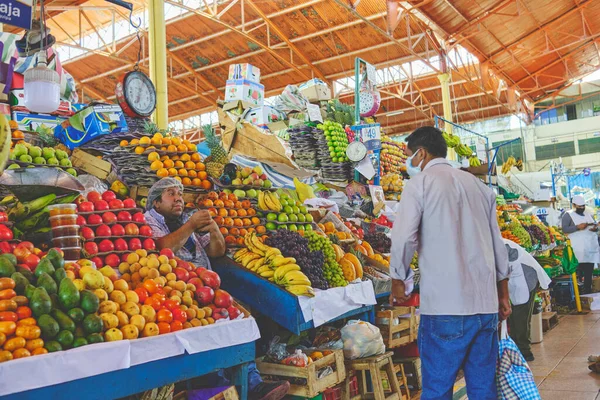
x=393, y=157
x=392, y=185
x=25, y=155
x=332, y=142
x=283, y=212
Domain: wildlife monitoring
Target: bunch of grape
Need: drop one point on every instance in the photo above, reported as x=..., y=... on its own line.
x=538, y=234
x=292, y=244
x=517, y=229
x=379, y=241
x=331, y=269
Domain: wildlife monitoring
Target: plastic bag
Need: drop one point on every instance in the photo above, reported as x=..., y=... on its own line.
x=277, y=351
x=298, y=359
x=91, y=183
x=304, y=191
x=361, y=339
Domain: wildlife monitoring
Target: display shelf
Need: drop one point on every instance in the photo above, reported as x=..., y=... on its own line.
x=271, y=300
x=142, y=377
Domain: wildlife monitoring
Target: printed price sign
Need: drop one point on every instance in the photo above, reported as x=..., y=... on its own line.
x=370, y=135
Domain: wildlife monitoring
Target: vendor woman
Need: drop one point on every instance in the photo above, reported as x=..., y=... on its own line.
x=195, y=237
x=582, y=229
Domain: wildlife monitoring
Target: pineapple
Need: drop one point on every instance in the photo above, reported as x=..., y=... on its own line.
x=150, y=128
x=218, y=156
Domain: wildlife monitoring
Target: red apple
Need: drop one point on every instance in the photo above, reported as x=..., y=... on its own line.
x=94, y=196
x=135, y=244
x=123, y=216
x=94, y=219
x=193, y=275
x=234, y=312
x=204, y=295
x=210, y=278
x=167, y=252
x=109, y=217
x=106, y=246
x=139, y=217
x=149, y=244
x=223, y=299
x=5, y=247
x=26, y=267
x=26, y=245
x=121, y=245
x=184, y=264
x=108, y=196
x=32, y=261
x=129, y=203
x=101, y=205
x=124, y=257
x=13, y=246
x=117, y=230
x=220, y=313
x=196, y=282
x=103, y=231
x=98, y=261
x=87, y=233
x=113, y=260
x=81, y=220
x=132, y=230
x=80, y=199
x=182, y=274
x=86, y=206
x=91, y=249
x=115, y=204
x=21, y=253
x=145, y=230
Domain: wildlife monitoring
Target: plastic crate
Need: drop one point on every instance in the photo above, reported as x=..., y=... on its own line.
x=353, y=385
x=334, y=393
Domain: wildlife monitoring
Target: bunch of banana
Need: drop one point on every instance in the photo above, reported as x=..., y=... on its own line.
x=519, y=164
x=474, y=161
x=5, y=141
x=463, y=150
x=268, y=201
x=508, y=164
x=451, y=140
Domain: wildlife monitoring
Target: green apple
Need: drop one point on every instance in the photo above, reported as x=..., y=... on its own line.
x=48, y=152
x=35, y=151
x=53, y=161
x=65, y=162
x=39, y=160
x=25, y=158
x=60, y=154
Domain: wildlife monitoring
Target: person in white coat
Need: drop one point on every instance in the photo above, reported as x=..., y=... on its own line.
x=526, y=276
x=581, y=228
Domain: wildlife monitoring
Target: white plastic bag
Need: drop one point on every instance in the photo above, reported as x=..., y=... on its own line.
x=361, y=339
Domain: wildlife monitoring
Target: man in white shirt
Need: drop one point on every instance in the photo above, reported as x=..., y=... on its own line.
x=449, y=217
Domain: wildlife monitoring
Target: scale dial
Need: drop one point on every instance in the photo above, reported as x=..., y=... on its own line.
x=356, y=151
x=136, y=94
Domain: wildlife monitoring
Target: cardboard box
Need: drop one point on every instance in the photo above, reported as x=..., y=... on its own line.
x=315, y=90
x=262, y=116
x=91, y=122
x=245, y=90
x=244, y=71
x=590, y=301
x=91, y=164
x=596, y=284
x=29, y=121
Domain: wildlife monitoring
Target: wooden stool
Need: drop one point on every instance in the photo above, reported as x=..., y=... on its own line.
x=375, y=365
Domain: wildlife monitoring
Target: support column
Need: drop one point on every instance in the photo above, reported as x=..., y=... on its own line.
x=157, y=45
x=446, y=103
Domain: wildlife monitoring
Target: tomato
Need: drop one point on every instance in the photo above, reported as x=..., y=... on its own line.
x=3, y=217
x=171, y=304
x=5, y=247
x=159, y=297
x=142, y=294
x=152, y=302
x=164, y=315
x=5, y=233
x=8, y=316
x=150, y=286
x=23, y=312
x=27, y=245
x=179, y=314
x=163, y=327
x=176, y=326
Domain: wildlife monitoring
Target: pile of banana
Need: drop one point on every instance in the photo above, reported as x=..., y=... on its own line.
x=269, y=263
x=268, y=201
x=511, y=162
x=5, y=141
x=451, y=140
x=474, y=161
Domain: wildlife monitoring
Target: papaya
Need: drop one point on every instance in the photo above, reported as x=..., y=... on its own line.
x=89, y=301
x=46, y=281
x=348, y=269
x=20, y=282
x=356, y=262
x=80, y=341
x=55, y=258
x=40, y=302
x=368, y=248
x=6, y=268
x=59, y=275
x=49, y=327
x=68, y=295
x=44, y=266
x=65, y=323
x=92, y=324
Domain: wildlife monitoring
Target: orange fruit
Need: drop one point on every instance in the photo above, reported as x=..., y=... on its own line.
x=163, y=158
x=163, y=148
x=172, y=172
x=171, y=148
x=243, y=232
x=166, y=141
x=156, y=165
x=238, y=222
x=218, y=220
x=251, y=212
x=145, y=140
x=196, y=182
x=12, y=124
x=233, y=213
x=247, y=221
x=186, y=181
x=200, y=166
x=185, y=157
x=179, y=164
x=207, y=203
x=162, y=173
x=164, y=315
x=250, y=230
x=175, y=157
x=139, y=150
x=228, y=203
x=212, y=212
x=230, y=240
x=223, y=230
x=182, y=172
x=238, y=204
x=163, y=327
x=241, y=212
x=168, y=163
x=134, y=142
x=189, y=164
x=202, y=175
x=219, y=203
x=192, y=173
x=234, y=231
x=175, y=326
x=18, y=134
x=191, y=147
x=228, y=221
x=182, y=148
x=206, y=185
x=255, y=221
x=176, y=141
x=223, y=212
x=178, y=178
x=123, y=143
x=156, y=141
x=261, y=229
x=196, y=157
x=240, y=241
x=153, y=156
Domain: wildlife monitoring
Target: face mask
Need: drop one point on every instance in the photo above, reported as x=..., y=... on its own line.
x=580, y=211
x=412, y=171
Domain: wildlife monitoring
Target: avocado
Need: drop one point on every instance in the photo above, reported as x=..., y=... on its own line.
x=65, y=338
x=59, y=275
x=80, y=341
x=89, y=301
x=20, y=282
x=55, y=258
x=6, y=268
x=68, y=295
x=76, y=314
x=95, y=338
x=63, y=320
x=79, y=331
x=10, y=257
x=52, y=346
x=54, y=300
x=49, y=326
x=44, y=266
x=46, y=281
x=40, y=302
x=26, y=273
x=29, y=289
x=92, y=324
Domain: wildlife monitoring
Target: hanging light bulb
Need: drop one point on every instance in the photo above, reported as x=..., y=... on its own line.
x=42, y=87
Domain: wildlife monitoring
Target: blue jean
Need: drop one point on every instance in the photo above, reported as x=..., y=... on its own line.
x=222, y=377
x=448, y=343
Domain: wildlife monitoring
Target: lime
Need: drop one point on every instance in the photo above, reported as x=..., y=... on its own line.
x=309, y=218
x=282, y=227
x=293, y=227
x=283, y=202
x=302, y=209
x=287, y=209
x=293, y=218
x=308, y=227
x=301, y=218
x=271, y=217
x=282, y=218
x=295, y=209
x=270, y=226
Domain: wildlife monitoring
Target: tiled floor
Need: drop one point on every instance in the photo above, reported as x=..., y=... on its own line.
x=560, y=366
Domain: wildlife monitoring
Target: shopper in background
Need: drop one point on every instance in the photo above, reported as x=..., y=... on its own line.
x=582, y=229
x=449, y=217
x=526, y=276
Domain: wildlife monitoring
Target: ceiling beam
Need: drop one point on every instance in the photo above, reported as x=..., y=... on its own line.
x=196, y=75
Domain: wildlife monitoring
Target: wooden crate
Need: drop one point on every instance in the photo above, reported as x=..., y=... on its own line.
x=309, y=374
x=228, y=394
x=91, y=164
x=412, y=371
x=398, y=326
x=549, y=320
